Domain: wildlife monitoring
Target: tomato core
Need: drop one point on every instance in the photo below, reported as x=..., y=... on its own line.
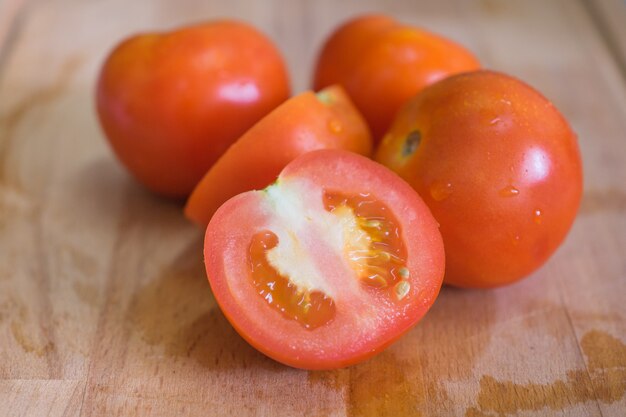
x=374, y=249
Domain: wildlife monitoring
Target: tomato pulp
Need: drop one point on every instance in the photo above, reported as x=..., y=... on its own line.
x=499, y=167
x=303, y=123
x=327, y=266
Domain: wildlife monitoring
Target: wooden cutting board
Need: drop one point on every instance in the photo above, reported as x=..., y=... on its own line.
x=104, y=306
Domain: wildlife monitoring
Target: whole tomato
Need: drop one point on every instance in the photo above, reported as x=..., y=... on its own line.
x=498, y=166
x=383, y=63
x=170, y=104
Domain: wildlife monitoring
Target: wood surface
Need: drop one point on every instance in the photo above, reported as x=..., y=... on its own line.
x=610, y=18
x=104, y=305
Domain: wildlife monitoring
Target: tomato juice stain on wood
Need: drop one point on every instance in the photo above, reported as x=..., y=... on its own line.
x=380, y=387
x=603, y=380
x=394, y=383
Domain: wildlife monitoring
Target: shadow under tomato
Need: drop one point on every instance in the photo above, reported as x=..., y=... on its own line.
x=174, y=308
x=178, y=311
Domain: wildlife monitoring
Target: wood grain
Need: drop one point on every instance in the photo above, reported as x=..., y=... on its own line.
x=610, y=16
x=9, y=20
x=104, y=307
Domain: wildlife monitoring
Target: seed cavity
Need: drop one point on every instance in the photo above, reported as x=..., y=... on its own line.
x=375, y=224
x=311, y=309
x=374, y=248
x=411, y=143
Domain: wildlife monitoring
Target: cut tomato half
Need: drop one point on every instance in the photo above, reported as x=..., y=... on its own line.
x=304, y=123
x=327, y=266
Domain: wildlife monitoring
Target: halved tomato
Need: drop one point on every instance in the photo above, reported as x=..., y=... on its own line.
x=327, y=266
x=303, y=123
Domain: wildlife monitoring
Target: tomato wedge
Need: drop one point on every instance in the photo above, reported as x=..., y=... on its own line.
x=327, y=266
x=304, y=123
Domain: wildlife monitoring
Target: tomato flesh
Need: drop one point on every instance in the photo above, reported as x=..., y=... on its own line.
x=376, y=252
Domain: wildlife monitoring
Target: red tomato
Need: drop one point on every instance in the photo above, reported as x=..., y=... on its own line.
x=499, y=167
x=327, y=266
x=301, y=124
x=170, y=104
x=383, y=63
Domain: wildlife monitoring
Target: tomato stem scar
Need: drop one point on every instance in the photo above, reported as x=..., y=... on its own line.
x=411, y=143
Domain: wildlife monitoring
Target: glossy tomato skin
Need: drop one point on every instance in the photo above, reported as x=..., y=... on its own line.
x=170, y=104
x=299, y=125
x=383, y=63
x=344, y=46
x=499, y=167
x=366, y=322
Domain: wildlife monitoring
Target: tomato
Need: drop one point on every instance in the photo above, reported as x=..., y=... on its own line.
x=499, y=167
x=170, y=104
x=301, y=124
x=327, y=266
x=383, y=63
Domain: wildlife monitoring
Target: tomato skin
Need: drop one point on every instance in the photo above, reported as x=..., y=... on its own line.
x=498, y=166
x=301, y=124
x=349, y=338
x=170, y=104
x=383, y=63
x=344, y=46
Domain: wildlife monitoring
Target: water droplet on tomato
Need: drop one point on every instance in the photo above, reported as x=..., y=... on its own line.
x=537, y=216
x=494, y=121
x=334, y=126
x=508, y=191
x=439, y=191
